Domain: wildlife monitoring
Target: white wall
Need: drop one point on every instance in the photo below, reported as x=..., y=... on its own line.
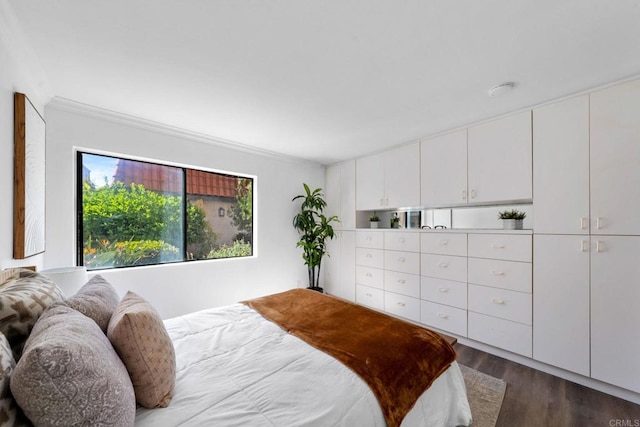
x=19, y=72
x=179, y=288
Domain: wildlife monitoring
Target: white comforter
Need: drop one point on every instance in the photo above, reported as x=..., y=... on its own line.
x=235, y=368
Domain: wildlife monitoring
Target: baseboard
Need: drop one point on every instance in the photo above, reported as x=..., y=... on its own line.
x=552, y=370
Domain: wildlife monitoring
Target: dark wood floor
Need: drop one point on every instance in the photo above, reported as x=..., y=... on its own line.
x=534, y=398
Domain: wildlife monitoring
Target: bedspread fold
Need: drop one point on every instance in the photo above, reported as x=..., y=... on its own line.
x=397, y=359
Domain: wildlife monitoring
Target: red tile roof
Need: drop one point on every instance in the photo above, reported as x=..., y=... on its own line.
x=169, y=179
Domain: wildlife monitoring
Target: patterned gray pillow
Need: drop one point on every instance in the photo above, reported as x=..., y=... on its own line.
x=10, y=414
x=70, y=374
x=22, y=301
x=97, y=300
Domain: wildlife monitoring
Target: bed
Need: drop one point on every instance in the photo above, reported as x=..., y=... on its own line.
x=236, y=368
x=248, y=364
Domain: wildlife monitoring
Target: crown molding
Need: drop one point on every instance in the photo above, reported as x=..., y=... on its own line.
x=75, y=107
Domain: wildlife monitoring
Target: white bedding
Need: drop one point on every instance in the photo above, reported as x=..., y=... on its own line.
x=235, y=368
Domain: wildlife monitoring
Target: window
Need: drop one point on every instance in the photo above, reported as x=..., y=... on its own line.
x=132, y=212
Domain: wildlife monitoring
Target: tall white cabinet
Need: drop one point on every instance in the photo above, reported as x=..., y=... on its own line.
x=340, y=193
x=586, y=244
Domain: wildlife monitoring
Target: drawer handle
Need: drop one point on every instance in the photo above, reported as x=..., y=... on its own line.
x=401, y=304
x=444, y=242
x=599, y=246
x=583, y=223
x=584, y=246
x=402, y=282
x=464, y=194
x=369, y=238
x=497, y=273
x=369, y=275
x=401, y=259
x=443, y=316
x=368, y=294
x=443, y=289
x=498, y=246
x=369, y=255
x=401, y=240
x=443, y=265
x=598, y=222
x=497, y=300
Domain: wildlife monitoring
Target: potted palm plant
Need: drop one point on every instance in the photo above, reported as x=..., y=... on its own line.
x=314, y=229
x=512, y=219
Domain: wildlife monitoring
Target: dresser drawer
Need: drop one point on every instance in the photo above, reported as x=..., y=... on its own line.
x=402, y=305
x=402, y=241
x=370, y=257
x=512, y=275
x=444, y=243
x=370, y=297
x=402, y=283
x=370, y=276
x=369, y=239
x=444, y=267
x=509, y=247
x=511, y=336
x=405, y=262
x=510, y=305
x=443, y=317
x=444, y=291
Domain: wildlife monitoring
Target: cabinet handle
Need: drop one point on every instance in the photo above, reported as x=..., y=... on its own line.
x=369, y=255
x=584, y=246
x=443, y=289
x=464, y=194
x=443, y=265
x=382, y=202
x=473, y=194
x=401, y=304
x=401, y=240
x=498, y=246
x=369, y=275
x=369, y=238
x=599, y=246
x=444, y=242
x=598, y=223
x=402, y=282
x=583, y=223
x=497, y=273
x=401, y=260
x=443, y=316
x=497, y=301
x=368, y=294
x=386, y=201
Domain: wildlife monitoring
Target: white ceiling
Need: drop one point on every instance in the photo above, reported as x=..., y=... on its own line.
x=327, y=80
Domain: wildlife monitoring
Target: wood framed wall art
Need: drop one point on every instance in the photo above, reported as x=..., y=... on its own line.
x=29, y=179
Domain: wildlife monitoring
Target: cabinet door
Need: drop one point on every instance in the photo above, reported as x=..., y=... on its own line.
x=561, y=167
x=615, y=159
x=499, y=158
x=561, y=302
x=340, y=266
x=370, y=182
x=444, y=170
x=402, y=177
x=332, y=192
x=347, y=212
x=615, y=318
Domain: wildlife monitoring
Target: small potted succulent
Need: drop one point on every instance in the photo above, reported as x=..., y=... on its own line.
x=373, y=220
x=512, y=219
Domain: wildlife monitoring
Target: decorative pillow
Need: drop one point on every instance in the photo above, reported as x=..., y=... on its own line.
x=10, y=414
x=22, y=301
x=140, y=338
x=97, y=300
x=69, y=374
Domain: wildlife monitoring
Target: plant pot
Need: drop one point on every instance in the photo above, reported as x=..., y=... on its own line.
x=395, y=225
x=512, y=224
x=373, y=224
x=316, y=288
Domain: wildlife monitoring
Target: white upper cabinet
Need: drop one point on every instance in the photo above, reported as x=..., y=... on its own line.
x=389, y=180
x=561, y=167
x=340, y=193
x=500, y=160
x=444, y=170
x=615, y=159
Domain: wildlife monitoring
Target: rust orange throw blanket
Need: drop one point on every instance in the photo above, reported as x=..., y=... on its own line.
x=398, y=360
